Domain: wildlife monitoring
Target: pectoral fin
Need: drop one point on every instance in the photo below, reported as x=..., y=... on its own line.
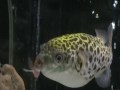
x=82, y=58
x=104, y=79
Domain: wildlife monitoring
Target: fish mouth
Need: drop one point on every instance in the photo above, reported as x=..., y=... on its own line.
x=36, y=72
x=35, y=69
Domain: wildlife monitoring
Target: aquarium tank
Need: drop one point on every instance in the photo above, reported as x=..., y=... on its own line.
x=27, y=24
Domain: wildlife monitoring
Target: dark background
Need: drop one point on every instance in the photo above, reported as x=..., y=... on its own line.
x=57, y=17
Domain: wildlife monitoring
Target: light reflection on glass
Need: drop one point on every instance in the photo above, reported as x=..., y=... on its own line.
x=113, y=25
x=97, y=15
x=115, y=3
x=93, y=12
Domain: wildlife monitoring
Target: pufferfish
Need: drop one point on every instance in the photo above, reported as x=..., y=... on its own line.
x=73, y=60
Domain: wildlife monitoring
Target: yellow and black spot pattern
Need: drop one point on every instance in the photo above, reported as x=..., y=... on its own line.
x=100, y=55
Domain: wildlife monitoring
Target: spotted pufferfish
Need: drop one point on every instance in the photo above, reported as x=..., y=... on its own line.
x=73, y=60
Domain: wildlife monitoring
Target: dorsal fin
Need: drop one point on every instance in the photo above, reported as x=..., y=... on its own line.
x=106, y=36
x=101, y=34
x=110, y=34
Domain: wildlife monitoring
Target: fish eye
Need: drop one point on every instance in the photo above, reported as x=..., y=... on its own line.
x=59, y=57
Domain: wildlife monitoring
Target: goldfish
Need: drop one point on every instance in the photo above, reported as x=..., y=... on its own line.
x=73, y=60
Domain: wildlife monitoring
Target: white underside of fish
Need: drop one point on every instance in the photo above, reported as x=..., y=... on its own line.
x=70, y=78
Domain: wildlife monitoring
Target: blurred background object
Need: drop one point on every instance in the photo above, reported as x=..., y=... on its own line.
x=10, y=79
